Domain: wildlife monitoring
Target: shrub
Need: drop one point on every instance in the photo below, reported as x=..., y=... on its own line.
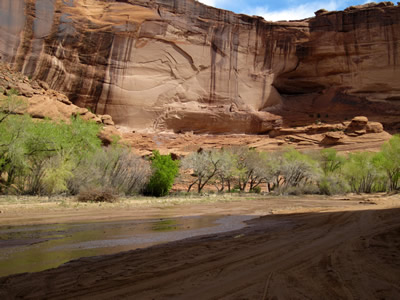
x=165, y=170
x=97, y=194
x=57, y=173
x=306, y=189
x=116, y=168
x=332, y=185
x=256, y=189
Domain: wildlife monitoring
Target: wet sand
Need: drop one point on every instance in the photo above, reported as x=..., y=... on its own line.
x=36, y=248
x=321, y=249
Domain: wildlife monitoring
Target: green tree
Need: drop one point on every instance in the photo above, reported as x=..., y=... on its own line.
x=13, y=162
x=330, y=160
x=165, y=170
x=362, y=174
x=48, y=142
x=298, y=168
x=38, y=156
x=226, y=170
x=252, y=167
x=388, y=160
x=332, y=181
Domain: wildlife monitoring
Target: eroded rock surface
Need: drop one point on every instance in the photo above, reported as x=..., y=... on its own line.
x=180, y=65
x=36, y=99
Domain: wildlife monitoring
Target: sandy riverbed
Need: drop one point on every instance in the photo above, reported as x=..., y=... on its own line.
x=302, y=248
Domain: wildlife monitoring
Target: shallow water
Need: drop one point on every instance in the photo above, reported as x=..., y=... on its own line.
x=41, y=247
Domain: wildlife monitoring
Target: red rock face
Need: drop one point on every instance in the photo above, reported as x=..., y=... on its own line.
x=180, y=65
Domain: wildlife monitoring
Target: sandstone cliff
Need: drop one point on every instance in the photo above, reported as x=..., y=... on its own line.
x=180, y=65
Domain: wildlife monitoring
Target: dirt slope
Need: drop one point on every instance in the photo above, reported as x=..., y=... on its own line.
x=349, y=254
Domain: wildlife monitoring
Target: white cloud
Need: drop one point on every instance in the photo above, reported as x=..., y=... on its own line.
x=208, y=2
x=296, y=12
x=215, y=3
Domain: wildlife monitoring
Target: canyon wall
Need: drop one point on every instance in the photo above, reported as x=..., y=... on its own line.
x=183, y=66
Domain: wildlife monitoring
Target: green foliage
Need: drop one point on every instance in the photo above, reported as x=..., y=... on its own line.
x=256, y=189
x=12, y=92
x=47, y=157
x=38, y=156
x=330, y=160
x=388, y=161
x=47, y=142
x=165, y=170
x=58, y=172
x=11, y=105
x=362, y=174
x=252, y=167
x=298, y=168
x=332, y=184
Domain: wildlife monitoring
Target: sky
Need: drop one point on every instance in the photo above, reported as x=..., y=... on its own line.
x=272, y=10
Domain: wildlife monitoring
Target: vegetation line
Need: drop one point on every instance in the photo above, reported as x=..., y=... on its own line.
x=44, y=157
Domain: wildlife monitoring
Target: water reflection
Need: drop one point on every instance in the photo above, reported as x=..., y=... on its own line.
x=36, y=248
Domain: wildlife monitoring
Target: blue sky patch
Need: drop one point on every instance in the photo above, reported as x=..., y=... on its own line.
x=282, y=9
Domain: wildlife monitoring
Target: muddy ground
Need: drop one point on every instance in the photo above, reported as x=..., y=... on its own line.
x=301, y=248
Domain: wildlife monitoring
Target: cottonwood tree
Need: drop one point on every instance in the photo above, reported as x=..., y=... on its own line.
x=388, y=160
x=332, y=181
x=12, y=133
x=274, y=164
x=205, y=164
x=330, y=160
x=298, y=169
x=48, y=142
x=40, y=153
x=250, y=167
x=226, y=171
x=361, y=173
x=258, y=169
x=13, y=161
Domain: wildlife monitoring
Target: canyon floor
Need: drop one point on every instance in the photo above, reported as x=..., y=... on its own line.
x=295, y=248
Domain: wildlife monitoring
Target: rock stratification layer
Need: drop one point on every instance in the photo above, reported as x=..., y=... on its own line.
x=183, y=66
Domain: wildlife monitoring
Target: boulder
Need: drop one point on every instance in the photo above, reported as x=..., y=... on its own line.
x=374, y=127
x=320, y=12
x=25, y=89
x=357, y=124
x=107, y=120
x=64, y=99
x=44, y=85
x=109, y=134
x=332, y=138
